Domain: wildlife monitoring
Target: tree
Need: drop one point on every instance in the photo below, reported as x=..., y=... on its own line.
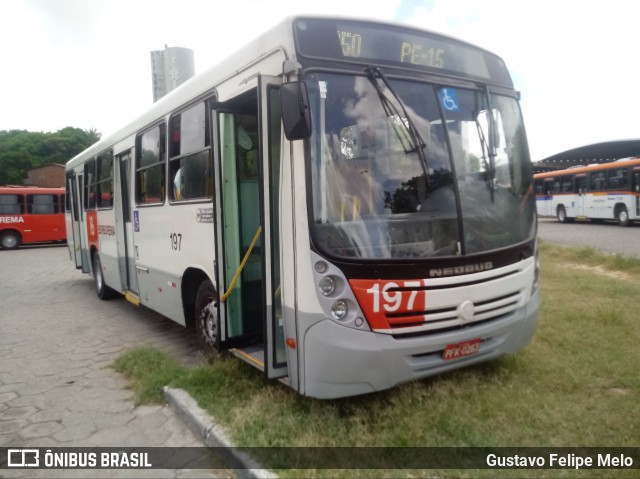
x=21, y=150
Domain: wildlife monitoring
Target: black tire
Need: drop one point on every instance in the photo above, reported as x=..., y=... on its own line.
x=207, y=319
x=622, y=215
x=561, y=213
x=103, y=291
x=10, y=240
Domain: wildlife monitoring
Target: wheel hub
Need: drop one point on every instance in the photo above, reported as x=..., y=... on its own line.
x=209, y=319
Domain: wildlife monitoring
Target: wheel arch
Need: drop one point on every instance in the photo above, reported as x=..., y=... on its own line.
x=617, y=209
x=92, y=252
x=191, y=280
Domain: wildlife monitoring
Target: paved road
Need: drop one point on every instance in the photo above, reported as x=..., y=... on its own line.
x=57, y=340
x=608, y=237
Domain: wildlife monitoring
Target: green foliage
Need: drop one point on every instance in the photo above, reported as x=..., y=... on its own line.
x=22, y=150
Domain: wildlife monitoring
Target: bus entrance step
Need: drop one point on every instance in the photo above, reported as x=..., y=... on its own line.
x=253, y=354
x=132, y=297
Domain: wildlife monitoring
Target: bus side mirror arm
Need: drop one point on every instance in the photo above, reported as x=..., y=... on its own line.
x=296, y=115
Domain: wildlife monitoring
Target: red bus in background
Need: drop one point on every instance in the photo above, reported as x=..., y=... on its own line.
x=31, y=215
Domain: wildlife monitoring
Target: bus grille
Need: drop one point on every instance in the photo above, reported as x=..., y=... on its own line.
x=464, y=314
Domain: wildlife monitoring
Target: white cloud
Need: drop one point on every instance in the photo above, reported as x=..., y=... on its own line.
x=86, y=64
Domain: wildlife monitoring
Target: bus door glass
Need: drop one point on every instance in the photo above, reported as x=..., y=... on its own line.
x=270, y=128
x=580, y=190
x=74, y=230
x=126, y=259
x=84, y=241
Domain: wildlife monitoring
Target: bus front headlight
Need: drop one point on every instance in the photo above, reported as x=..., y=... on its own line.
x=327, y=285
x=339, y=309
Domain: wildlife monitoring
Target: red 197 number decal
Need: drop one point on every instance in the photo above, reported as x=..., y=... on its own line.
x=389, y=304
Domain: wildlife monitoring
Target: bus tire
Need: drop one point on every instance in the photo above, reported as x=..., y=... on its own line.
x=103, y=291
x=207, y=320
x=622, y=215
x=10, y=240
x=561, y=213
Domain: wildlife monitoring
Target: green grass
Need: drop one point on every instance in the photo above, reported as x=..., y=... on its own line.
x=576, y=384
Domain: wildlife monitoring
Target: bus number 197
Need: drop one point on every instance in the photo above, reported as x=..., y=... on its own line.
x=176, y=241
x=392, y=301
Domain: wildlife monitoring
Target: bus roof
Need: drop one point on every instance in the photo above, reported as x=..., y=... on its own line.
x=635, y=162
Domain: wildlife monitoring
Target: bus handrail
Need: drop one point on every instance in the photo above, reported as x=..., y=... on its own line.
x=241, y=267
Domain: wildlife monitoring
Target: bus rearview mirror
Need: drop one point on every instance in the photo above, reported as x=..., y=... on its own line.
x=296, y=117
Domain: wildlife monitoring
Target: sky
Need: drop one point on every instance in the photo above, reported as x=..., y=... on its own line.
x=86, y=63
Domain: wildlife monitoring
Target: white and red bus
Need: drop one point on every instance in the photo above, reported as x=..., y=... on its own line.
x=606, y=191
x=29, y=214
x=346, y=205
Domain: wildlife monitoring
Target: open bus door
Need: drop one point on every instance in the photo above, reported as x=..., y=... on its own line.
x=82, y=246
x=73, y=242
x=248, y=244
x=581, y=191
x=126, y=247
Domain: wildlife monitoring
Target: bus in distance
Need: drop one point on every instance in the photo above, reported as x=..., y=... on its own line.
x=346, y=205
x=29, y=214
x=606, y=191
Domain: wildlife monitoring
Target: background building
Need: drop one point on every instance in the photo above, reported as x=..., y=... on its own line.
x=604, y=152
x=169, y=68
x=49, y=176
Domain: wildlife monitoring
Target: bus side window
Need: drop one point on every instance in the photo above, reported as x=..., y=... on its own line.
x=150, y=166
x=566, y=184
x=539, y=187
x=104, y=179
x=190, y=167
x=90, y=185
x=618, y=179
x=41, y=204
x=598, y=180
x=11, y=204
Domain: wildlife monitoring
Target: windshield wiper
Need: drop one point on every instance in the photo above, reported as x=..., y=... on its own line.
x=488, y=165
x=416, y=143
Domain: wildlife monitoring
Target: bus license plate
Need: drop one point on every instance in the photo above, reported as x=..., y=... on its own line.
x=460, y=350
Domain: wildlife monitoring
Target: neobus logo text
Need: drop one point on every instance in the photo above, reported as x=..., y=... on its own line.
x=11, y=219
x=466, y=269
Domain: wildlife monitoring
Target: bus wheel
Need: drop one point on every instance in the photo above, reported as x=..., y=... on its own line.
x=10, y=240
x=562, y=215
x=208, y=320
x=623, y=216
x=103, y=291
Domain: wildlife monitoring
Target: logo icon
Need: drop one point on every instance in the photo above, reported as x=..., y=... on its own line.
x=23, y=458
x=449, y=99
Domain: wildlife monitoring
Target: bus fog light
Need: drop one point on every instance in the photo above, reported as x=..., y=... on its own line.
x=339, y=309
x=359, y=322
x=321, y=267
x=327, y=285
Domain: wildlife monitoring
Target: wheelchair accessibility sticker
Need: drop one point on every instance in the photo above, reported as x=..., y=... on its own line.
x=449, y=99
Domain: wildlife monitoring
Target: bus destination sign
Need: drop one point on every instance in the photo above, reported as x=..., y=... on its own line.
x=414, y=53
x=367, y=42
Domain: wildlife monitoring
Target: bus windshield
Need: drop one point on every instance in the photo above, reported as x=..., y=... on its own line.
x=403, y=169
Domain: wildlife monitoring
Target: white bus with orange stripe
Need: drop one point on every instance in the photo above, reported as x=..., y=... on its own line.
x=347, y=205
x=606, y=191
